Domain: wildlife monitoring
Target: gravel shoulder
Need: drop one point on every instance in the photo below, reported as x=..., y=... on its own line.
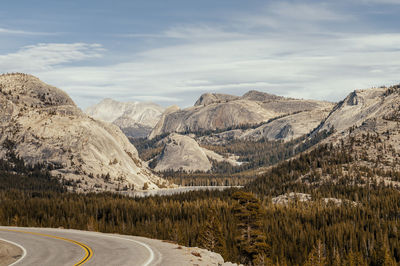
x=9, y=253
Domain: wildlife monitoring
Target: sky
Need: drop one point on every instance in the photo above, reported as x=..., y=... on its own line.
x=170, y=52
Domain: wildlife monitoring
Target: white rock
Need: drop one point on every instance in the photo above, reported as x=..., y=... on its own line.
x=182, y=153
x=46, y=127
x=221, y=111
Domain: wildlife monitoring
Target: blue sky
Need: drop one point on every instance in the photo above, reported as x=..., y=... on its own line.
x=170, y=52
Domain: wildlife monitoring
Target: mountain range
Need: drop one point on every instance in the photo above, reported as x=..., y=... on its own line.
x=42, y=125
x=222, y=112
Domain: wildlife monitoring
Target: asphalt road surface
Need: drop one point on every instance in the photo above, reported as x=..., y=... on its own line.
x=45, y=246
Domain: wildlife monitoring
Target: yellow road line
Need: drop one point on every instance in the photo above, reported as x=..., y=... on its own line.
x=88, y=250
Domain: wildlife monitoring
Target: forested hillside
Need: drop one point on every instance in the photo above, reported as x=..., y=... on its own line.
x=253, y=155
x=294, y=234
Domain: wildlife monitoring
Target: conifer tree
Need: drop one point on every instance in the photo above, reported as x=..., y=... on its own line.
x=250, y=238
x=354, y=259
x=317, y=256
x=211, y=236
x=383, y=257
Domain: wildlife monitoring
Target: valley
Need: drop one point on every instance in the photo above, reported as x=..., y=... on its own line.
x=200, y=133
x=259, y=179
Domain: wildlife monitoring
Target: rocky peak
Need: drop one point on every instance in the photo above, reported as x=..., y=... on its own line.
x=45, y=126
x=359, y=106
x=254, y=95
x=31, y=91
x=210, y=98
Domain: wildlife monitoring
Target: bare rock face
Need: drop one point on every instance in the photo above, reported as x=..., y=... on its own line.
x=285, y=128
x=359, y=106
x=219, y=111
x=41, y=124
x=288, y=127
x=367, y=126
x=292, y=197
x=182, y=153
x=160, y=124
x=261, y=96
x=135, y=119
x=210, y=98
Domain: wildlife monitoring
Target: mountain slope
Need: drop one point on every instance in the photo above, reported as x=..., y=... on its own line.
x=183, y=153
x=363, y=150
x=367, y=123
x=285, y=128
x=41, y=124
x=220, y=111
x=135, y=119
x=359, y=106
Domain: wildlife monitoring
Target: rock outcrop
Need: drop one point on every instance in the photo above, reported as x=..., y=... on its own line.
x=135, y=119
x=210, y=98
x=182, y=153
x=285, y=128
x=159, y=126
x=293, y=197
x=41, y=124
x=357, y=107
x=220, y=111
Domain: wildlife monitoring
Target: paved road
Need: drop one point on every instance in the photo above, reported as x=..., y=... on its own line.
x=72, y=247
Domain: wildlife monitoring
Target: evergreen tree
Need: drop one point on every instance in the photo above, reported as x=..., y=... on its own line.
x=354, y=259
x=382, y=256
x=211, y=236
x=251, y=240
x=317, y=256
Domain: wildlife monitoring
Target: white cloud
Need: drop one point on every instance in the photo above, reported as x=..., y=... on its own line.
x=154, y=98
x=44, y=56
x=307, y=67
x=200, y=32
x=22, y=32
x=393, y=2
x=284, y=16
x=284, y=49
x=306, y=12
x=196, y=32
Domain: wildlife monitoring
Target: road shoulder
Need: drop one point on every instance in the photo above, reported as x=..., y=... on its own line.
x=9, y=253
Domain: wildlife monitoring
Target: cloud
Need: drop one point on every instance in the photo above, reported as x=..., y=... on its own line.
x=154, y=98
x=307, y=67
x=44, y=56
x=380, y=2
x=284, y=16
x=306, y=12
x=22, y=32
x=285, y=48
x=189, y=32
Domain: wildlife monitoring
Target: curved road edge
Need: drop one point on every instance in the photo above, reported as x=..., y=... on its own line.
x=17, y=245
x=108, y=249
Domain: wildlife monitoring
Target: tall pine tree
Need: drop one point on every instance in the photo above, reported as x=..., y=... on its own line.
x=251, y=239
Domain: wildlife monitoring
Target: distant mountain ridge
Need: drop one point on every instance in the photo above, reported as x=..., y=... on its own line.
x=136, y=119
x=214, y=111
